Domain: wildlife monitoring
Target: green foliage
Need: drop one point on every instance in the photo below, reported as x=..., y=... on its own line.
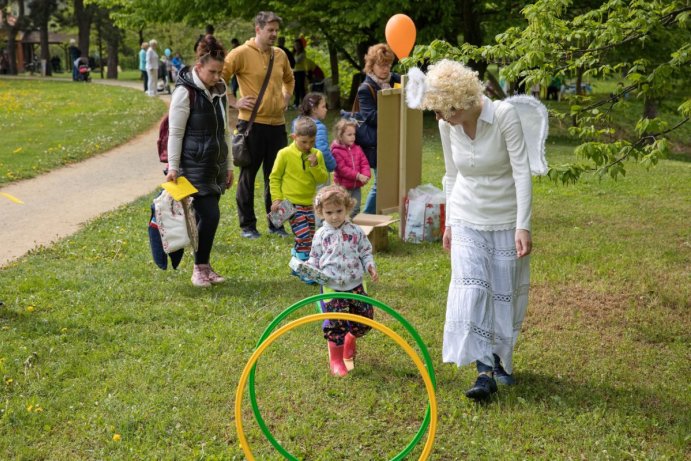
x=645, y=41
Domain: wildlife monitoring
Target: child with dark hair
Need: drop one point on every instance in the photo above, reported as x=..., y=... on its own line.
x=342, y=252
x=314, y=107
x=296, y=172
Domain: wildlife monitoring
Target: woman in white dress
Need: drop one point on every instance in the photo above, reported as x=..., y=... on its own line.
x=488, y=204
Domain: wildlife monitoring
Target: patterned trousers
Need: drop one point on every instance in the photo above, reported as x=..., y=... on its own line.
x=336, y=330
x=302, y=224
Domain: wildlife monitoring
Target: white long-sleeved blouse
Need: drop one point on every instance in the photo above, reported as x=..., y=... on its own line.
x=488, y=183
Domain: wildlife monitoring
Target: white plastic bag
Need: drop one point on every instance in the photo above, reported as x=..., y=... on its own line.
x=425, y=214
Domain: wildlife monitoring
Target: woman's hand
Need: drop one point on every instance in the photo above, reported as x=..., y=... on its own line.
x=373, y=273
x=524, y=243
x=172, y=176
x=446, y=240
x=229, y=179
x=275, y=204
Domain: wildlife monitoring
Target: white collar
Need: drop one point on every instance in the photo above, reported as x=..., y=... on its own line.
x=487, y=114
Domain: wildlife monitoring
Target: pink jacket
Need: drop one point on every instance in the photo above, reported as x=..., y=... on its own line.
x=349, y=162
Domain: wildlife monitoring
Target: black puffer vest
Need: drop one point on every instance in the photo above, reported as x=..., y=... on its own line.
x=204, y=158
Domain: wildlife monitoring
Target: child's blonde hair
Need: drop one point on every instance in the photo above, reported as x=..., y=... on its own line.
x=335, y=195
x=305, y=126
x=340, y=128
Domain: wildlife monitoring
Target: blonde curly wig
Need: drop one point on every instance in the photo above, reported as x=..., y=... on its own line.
x=451, y=86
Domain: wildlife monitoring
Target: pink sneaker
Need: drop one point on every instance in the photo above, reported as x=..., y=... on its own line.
x=212, y=276
x=199, y=276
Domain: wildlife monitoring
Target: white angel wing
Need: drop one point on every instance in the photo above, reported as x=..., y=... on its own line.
x=534, y=121
x=415, y=88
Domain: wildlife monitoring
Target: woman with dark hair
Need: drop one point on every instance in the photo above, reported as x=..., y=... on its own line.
x=378, y=63
x=198, y=143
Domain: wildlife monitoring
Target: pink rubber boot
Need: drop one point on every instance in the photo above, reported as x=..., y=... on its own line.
x=336, y=364
x=349, y=351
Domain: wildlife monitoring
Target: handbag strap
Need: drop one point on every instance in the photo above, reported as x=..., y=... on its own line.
x=356, y=103
x=261, y=93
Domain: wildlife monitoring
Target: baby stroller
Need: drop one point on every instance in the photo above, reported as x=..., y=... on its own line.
x=163, y=83
x=83, y=69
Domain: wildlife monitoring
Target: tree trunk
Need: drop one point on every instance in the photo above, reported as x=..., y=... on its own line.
x=83, y=16
x=472, y=34
x=650, y=107
x=45, y=51
x=579, y=81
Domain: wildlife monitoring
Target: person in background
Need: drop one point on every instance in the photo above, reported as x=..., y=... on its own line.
x=488, y=187
x=176, y=65
x=300, y=69
x=142, y=65
x=378, y=63
x=75, y=53
x=234, y=87
x=249, y=63
x=198, y=143
x=152, y=68
x=208, y=30
x=314, y=107
x=282, y=45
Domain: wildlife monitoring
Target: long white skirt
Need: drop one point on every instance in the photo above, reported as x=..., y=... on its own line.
x=488, y=297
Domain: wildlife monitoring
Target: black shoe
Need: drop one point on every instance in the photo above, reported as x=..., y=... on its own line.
x=483, y=388
x=500, y=375
x=280, y=232
x=250, y=234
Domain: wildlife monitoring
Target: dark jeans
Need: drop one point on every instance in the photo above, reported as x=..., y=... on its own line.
x=208, y=215
x=145, y=77
x=264, y=143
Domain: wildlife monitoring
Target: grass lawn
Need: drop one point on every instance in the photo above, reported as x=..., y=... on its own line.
x=104, y=356
x=47, y=124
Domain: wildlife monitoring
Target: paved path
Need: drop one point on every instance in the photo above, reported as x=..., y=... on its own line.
x=59, y=203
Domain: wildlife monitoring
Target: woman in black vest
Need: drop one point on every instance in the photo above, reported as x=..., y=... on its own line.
x=198, y=141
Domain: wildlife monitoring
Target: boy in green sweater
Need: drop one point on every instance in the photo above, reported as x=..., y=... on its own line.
x=296, y=172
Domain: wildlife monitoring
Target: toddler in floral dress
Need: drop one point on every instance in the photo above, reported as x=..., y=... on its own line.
x=341, y=250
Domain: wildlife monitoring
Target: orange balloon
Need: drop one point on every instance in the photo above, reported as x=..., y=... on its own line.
x=400, y=34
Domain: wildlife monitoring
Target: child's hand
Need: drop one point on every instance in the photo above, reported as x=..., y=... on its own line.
x=275, y=204
x=373, y=273
x=362, y=178
x=313, y=160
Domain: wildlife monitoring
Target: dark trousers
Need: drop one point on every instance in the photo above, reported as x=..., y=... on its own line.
x=264, y=143
x=145, y=77
x=208, y=214
x=299, y=85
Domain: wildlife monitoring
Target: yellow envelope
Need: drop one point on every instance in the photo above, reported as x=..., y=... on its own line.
x=182, y=189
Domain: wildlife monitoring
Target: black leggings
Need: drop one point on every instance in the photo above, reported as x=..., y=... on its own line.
x=208, y=215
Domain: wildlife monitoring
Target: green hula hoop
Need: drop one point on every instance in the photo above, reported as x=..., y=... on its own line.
x=315, y=299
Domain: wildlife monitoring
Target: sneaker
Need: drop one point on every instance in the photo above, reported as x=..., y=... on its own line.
x=213, y=277
x=251, y=234
x=280, y=232
x=500, y=375
x=483, y=388
x=199, y=277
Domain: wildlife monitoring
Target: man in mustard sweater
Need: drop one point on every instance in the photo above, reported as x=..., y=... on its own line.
x=249, y=63
x=295, y=175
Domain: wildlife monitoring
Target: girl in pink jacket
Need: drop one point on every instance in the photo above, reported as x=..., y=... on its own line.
x=352, y=168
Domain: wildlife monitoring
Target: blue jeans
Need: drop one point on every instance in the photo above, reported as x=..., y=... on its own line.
x=371, y=203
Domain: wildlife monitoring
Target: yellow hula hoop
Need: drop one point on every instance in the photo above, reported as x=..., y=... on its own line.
x=427, y=449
